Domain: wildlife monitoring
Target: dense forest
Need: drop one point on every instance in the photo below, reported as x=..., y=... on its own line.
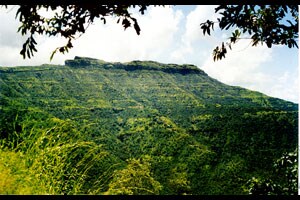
x=142, y=127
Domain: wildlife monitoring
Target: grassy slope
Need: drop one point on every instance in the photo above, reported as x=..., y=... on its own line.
x=202, y=136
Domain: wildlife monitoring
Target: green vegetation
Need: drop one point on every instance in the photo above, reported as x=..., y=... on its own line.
x=269, y=24
x=263, y=23
x=92, y=127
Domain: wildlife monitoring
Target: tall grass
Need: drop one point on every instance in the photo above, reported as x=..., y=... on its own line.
x=43, y=160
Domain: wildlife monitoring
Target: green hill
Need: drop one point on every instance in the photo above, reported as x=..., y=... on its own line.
x=140, y=127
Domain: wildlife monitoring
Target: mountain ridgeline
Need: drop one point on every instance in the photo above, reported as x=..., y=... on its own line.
x=140, y=127
x=135, y=65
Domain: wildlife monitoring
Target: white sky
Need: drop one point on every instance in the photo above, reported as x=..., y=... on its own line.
x=169, y=34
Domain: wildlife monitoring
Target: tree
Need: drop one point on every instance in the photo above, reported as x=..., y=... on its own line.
x=286, y=170
x=68, y=21
x=269, y=24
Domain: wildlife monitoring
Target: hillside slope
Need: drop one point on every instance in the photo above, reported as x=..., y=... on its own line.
x=194, y=134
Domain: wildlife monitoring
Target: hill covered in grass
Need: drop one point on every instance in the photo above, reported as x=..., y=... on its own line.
x=142, y=127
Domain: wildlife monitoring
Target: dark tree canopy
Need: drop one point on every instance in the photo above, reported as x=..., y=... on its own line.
x=269, y=24
x=287, y=168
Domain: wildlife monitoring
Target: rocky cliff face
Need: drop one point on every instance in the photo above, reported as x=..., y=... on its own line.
x=134, y=65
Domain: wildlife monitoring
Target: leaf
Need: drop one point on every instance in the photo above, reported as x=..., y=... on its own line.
x=237, y=33
x=62, y=49
x=81, y=28
x=17, y=13
x=204, y=30
x=28, y=53
x=289, y=21
x=269, y=44
x=255, y=39
x=222, y=55
x=126, y=23
x=142, y=9
x=136, y=26
x=203, y=26
x=34, y=49
x=219, y=8
x=104, y=20
x=51, y=57
x=32, y=39
x=295, y=43
x=255, y=42
x=22, y=52
x=289, y=44
x=69, y=45
x=19, y=28
x=232, y=39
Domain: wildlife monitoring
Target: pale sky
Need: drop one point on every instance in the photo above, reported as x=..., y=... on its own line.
x=169, y=34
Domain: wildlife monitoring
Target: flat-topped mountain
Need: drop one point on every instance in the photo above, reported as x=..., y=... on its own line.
x=82, y=62
x=198, y=135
